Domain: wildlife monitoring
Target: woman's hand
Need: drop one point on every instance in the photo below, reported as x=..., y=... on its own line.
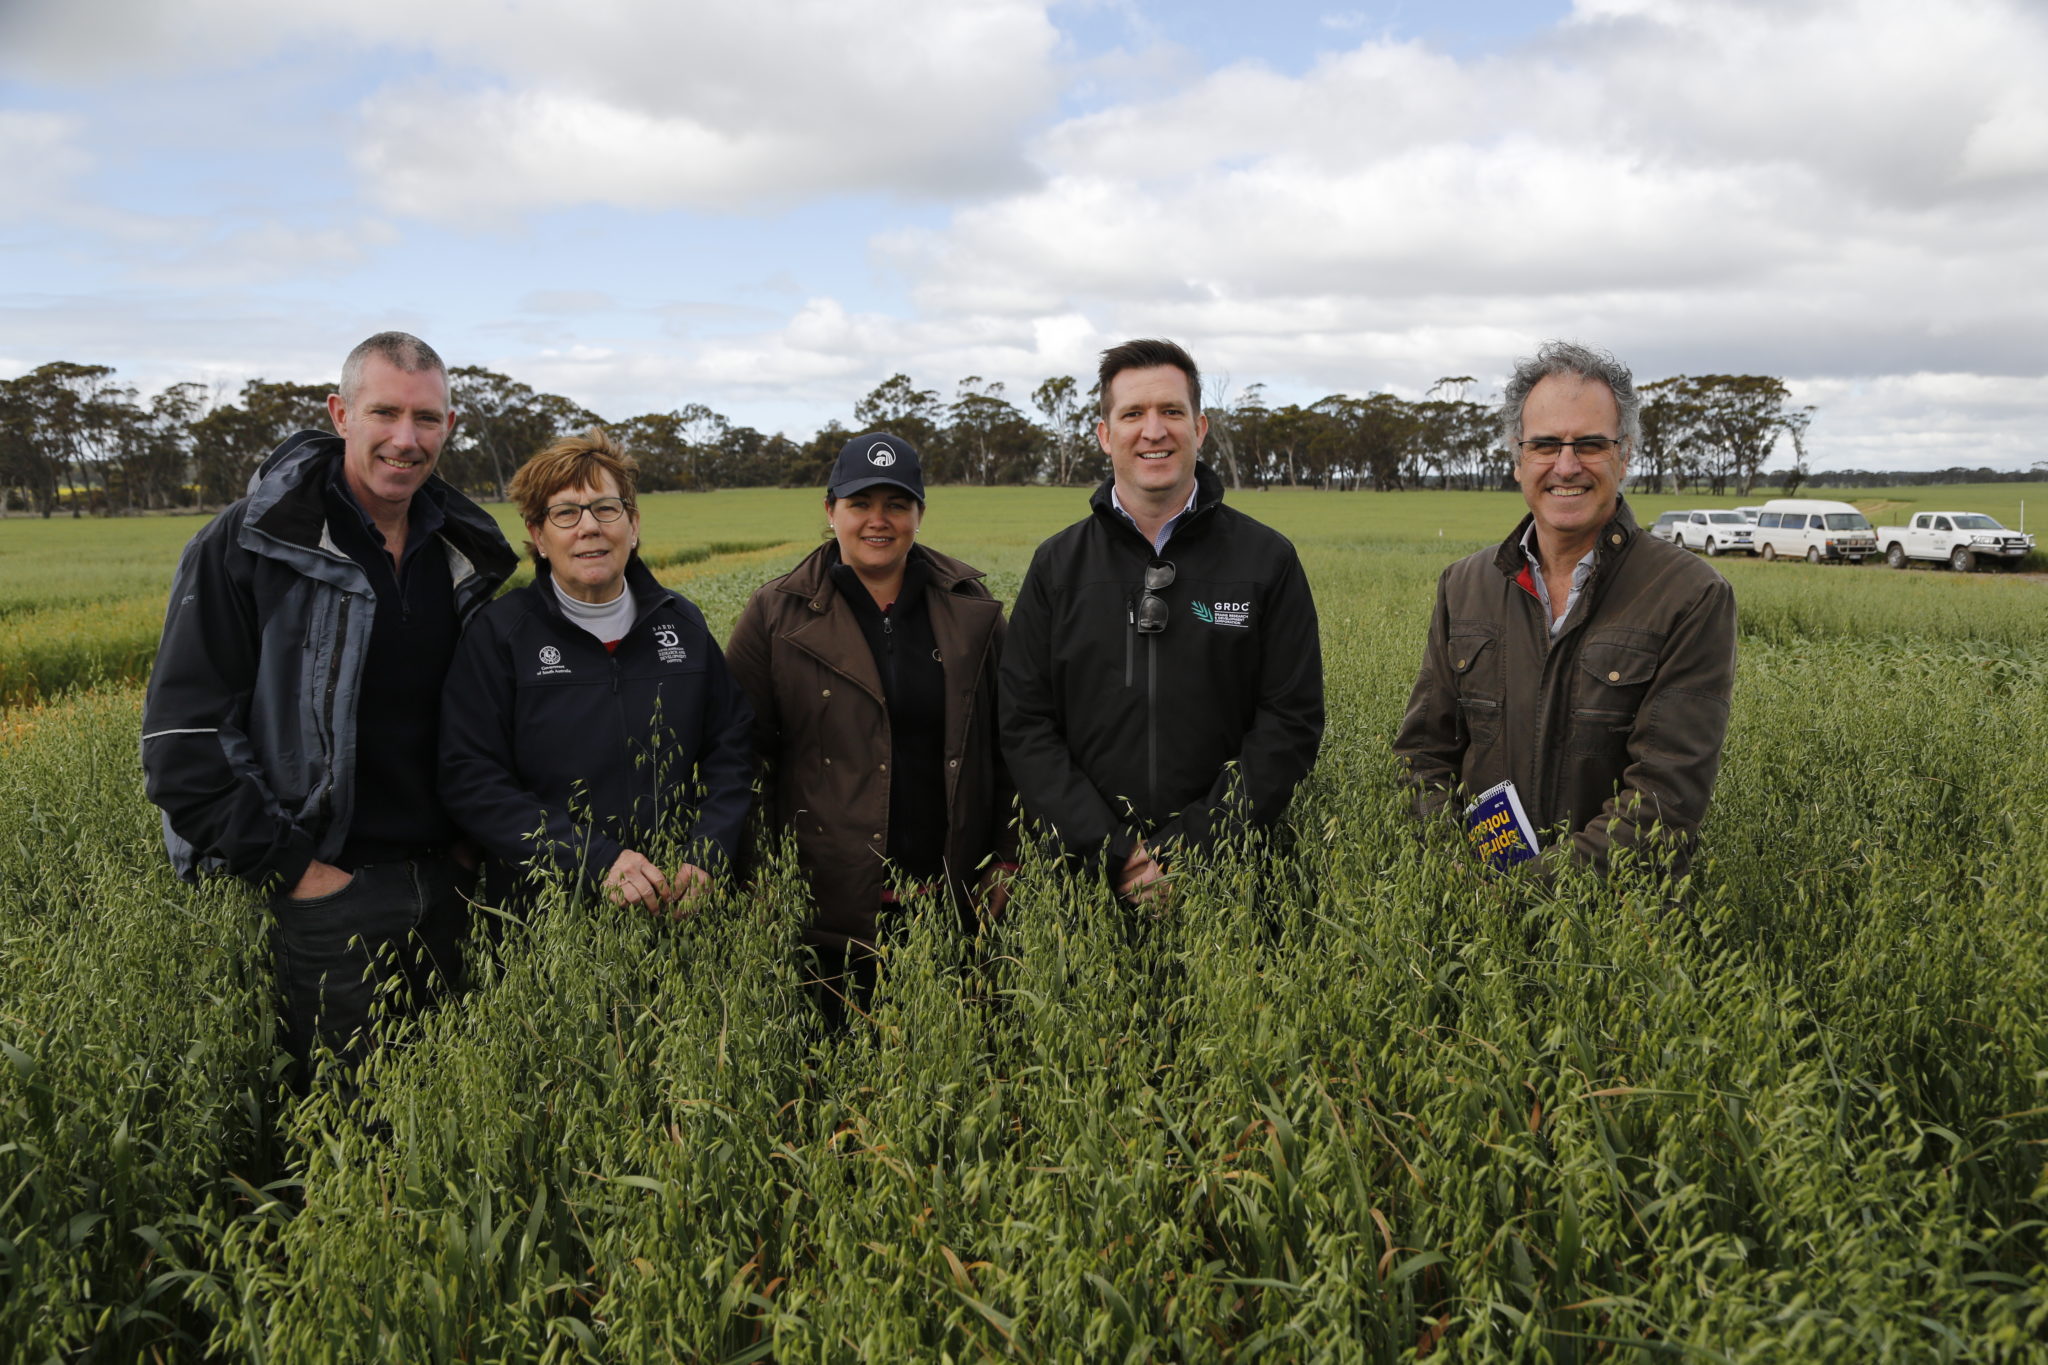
x=633, y=880
x=994, y=889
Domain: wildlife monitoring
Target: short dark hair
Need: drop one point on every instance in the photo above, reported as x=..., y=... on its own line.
x=1144, y=354
x=401, y=349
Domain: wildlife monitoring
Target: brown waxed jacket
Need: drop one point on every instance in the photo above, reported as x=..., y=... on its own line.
x=821, y=734
x=1611, y=727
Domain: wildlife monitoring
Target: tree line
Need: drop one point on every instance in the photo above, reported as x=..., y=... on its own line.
x=75, y=438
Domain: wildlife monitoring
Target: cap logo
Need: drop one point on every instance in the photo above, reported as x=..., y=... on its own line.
x=880, y=456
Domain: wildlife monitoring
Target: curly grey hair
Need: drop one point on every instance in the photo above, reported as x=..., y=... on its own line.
x=1568, y=357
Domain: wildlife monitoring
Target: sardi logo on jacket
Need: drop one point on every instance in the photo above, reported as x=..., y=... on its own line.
x=671, y=646
x=1224, y=613
x=880, y=456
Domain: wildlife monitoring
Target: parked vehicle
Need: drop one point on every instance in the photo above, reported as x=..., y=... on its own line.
x=1962, y=540
x=1666, y=526
x=1749, y=514
x=1716, y=532
x=1814, y=529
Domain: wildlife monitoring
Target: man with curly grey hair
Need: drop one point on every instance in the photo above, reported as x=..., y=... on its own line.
x=1582, y=666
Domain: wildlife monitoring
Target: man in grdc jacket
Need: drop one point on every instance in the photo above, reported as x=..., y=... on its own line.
x=291, y=721
x=1162, y=685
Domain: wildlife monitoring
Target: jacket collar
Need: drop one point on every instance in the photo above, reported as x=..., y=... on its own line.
x=1616, y=536
x=811, y=579
x=640, y=581
x=1208, y=496
x=287, y=515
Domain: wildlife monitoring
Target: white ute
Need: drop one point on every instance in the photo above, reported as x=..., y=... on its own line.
x=1962, y=540
x=1716, y=533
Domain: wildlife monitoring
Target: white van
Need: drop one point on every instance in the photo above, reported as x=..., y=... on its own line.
x=1814, y=529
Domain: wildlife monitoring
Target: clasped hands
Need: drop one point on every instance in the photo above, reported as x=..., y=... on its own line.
x=633, y=880
x=1143, y=880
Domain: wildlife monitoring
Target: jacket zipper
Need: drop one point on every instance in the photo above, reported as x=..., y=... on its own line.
x=1152, y=723
x=1130, y=637
x=327, y=706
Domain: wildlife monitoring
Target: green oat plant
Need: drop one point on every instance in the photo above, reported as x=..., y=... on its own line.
x=1347, y=1099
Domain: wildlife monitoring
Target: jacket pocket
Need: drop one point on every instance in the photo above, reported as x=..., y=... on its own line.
x=1613, y=676
x=1475, y=659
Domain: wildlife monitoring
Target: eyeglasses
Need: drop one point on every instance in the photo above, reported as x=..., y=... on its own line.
x=1589, y=449
x=1152, y=608
x=568, y=515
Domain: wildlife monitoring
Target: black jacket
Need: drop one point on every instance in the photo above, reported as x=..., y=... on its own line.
x=554, y=750
x=1176, y=738
x=249, y=727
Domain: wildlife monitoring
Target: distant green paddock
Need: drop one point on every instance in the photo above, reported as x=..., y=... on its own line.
x=82, y=599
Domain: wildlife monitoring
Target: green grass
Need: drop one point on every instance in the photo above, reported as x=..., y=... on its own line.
x=1341, y=1105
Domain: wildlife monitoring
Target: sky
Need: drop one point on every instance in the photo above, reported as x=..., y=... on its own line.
x=770, y=208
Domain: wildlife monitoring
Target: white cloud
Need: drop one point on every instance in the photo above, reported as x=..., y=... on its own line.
x=40, y=157
x=1848, y=193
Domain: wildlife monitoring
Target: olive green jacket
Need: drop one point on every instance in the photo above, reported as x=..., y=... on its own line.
x=1610, y=728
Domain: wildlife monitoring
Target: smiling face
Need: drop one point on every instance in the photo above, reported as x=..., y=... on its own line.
x=392, y=429
x=1152, y=435
x=589, y=558
x=875, y=529
x=1571, y=498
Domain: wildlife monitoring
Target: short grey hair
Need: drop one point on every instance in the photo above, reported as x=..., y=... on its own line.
x=1568, y=357
x=401, y=349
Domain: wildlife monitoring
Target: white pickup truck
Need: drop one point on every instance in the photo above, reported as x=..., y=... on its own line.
x=1962, y=540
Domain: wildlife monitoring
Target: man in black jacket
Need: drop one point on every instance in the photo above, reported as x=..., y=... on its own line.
x=292, y=720
x=1162, y=686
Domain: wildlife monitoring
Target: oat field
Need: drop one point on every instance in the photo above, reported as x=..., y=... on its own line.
x=1353, y=1104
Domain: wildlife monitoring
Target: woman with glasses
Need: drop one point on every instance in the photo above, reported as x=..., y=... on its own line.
x=871, y=667
x=590, y=727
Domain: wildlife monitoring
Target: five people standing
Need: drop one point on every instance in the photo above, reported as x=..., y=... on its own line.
x=1157, y=693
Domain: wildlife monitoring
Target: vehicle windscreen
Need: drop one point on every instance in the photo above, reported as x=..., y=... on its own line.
x=1727, y=519
x=1848, y=521
x=1977, y=521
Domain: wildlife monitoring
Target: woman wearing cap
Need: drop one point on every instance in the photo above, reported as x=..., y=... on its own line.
x=871, y=667
x=589, y=722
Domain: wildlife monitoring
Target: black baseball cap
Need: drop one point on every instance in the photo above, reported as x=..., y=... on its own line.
x=876, y=458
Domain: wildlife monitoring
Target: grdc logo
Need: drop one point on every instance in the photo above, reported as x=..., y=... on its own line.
x=1236, y=614
x=880, y=456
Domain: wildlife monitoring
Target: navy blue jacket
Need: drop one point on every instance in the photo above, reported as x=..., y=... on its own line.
x=554, y=751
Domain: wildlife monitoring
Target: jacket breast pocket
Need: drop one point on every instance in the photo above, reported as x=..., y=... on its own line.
x=1474, y=653
x=1613, y=676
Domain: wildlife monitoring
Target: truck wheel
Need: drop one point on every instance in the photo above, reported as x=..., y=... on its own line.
x=1961, y=560
x=1770, y=551
x=1813, y=554
x=1895, y=555
x=1713, y=550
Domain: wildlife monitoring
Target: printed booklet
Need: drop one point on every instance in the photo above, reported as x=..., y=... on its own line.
x=1499, y=828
